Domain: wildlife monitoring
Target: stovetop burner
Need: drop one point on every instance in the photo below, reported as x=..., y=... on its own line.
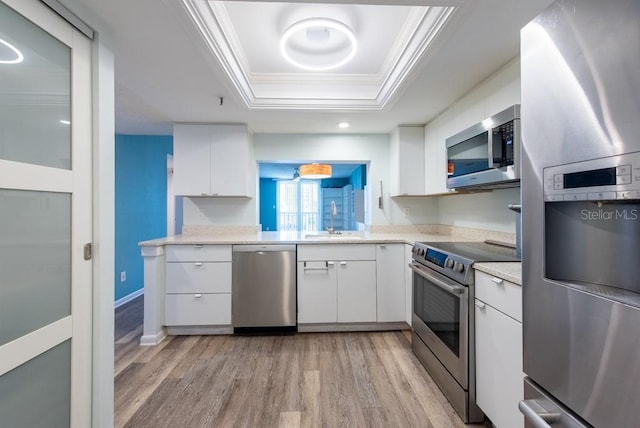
x=455, y=259
x=476, y=251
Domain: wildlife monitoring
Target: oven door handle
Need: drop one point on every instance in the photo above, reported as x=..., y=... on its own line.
x=451, y=288
x=537, y=416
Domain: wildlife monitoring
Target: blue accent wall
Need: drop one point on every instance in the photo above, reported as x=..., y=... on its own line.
x=140, y=203
x=268, y=200
x=328, y=183
x=358, y=178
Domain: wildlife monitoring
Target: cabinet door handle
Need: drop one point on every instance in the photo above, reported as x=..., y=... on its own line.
x=197, y=296
x=497, y=281
x=198, y=246
x=330, y=264
x=198, y=264
x=480, y=305
x=343, y=263
x=326, y=266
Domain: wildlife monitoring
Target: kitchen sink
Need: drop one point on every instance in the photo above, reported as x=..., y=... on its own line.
x=334, y=236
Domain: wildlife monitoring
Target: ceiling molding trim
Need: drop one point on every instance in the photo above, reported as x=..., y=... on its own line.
x=430, y=26
x=316, y=90
x=305, y=103
x=214, y=36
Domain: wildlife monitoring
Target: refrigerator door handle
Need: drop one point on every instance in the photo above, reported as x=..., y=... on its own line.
x=537, y=415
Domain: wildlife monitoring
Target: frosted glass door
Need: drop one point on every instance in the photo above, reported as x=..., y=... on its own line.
x=45, y=219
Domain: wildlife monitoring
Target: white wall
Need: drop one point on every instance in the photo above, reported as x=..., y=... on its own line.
x=219, y=211
x=483, y=211
x=370, y=149
x=486, y=211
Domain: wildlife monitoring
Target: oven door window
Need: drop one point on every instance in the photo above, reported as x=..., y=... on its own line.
x=439, y=310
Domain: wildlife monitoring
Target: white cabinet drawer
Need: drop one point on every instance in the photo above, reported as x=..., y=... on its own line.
x=503, y=295
x=336, y=252
x=197, y=309
x=198, y=277
x=198, y=253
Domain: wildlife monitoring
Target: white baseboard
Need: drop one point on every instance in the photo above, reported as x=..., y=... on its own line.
x=129, y=297
x=153, y=339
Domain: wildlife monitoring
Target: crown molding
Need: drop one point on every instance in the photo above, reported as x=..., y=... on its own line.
x=321, y=91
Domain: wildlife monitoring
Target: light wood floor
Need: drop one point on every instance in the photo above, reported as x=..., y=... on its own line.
x=302, y=380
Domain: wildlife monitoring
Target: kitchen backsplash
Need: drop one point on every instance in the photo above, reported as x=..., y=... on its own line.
x=218, y=229
x=469, y=233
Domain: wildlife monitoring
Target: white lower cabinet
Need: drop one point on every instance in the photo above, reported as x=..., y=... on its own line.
x=317, y=292
x=198, y=286
x=390, y=279
x=356, y=291
x=336, y=283
x=498, y=330
x=197, y=309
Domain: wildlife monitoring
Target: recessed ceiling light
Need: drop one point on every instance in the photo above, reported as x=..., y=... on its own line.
x=315, y=31
x=65, y=122
x=343, y=125
x=17, y=56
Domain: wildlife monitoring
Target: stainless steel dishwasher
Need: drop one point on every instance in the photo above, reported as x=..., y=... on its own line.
x=264, y=287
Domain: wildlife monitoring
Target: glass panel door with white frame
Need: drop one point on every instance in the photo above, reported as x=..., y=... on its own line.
x=45, y=219
x=298, y=205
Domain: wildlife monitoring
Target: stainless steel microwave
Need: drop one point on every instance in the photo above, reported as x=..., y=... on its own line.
x=487, y=154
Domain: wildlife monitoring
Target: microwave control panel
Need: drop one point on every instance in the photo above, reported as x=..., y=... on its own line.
x=603, y=179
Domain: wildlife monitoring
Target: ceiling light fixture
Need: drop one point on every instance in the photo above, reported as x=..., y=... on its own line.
x=343, y=125
x=18, y=55
x=318, y=30
x=315, y=170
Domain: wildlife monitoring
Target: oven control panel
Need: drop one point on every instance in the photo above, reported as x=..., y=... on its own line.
x=603, y=179
x=450, y=265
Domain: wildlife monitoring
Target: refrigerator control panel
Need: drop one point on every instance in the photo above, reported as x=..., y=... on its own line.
x=603, y=179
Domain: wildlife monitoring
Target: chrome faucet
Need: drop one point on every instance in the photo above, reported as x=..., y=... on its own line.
x=334, y=211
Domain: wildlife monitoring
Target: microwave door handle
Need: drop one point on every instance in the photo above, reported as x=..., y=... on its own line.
x=452, y=289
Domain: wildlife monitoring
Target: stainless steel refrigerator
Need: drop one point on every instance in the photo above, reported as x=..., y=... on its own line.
x=581, y=214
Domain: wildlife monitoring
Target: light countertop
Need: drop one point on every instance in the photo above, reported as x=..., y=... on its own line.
x=302, y=238
x=510, y=271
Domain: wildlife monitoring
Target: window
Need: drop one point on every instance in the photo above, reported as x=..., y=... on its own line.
x=298, y=205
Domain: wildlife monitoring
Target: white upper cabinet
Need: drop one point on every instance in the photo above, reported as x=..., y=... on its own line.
x=407, y=161
x=435, y=161
x=191, y=160
x=212, y=160
x=230, y=161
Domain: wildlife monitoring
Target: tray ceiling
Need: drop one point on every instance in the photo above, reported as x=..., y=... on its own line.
x=244, y=37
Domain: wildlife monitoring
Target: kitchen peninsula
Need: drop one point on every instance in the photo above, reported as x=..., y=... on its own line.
x=188, y=277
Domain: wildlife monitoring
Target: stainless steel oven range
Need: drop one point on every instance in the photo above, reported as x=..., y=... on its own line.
x=443, y=324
